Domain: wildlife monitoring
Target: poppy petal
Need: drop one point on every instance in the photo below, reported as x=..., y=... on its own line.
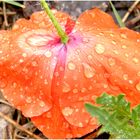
x=104, y=61
x=95, y=19
x=54, y=125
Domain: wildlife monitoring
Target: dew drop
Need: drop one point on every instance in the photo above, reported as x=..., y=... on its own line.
x=125, y=77
x=14, y=84
x=135, y=60
x=83, y=90
x=80, y=124
x=67, y=111
x=24, y=55
x=111, y=61
x=21, y=60
x=75, y=90
x=42, y=104
x=66, y=87
x=89, y=72
x=138, y=86
x=138, y=74
x=71, y=66
x=34, y=63
x=28, y=100
x=126, y=55
x=131, y=81
x=124, y=47
x=99, y=48
x=113, y=42
x=45, y=81
x=89, y=57
x=48, y=54
x=116, y=52
x=123, y=36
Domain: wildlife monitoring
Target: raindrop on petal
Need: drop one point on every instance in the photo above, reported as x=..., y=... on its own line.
x=42, y=104
x=71, y=66
x=138, y=74
x=125, y=77
x=67, y=111
x=28, y=100
x=48, y=54
x=111, y=61
x=124, y=47
x=99, y=48
x=135, y=60
x=138, y=86
x=89, y=72
x=66, y=87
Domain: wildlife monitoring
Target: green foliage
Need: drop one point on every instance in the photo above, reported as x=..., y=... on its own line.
x=116, y=117
x=117, y=15
x=14, y=3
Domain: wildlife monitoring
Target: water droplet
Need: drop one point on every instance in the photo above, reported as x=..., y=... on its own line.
x=67, y=111
x=125, y=77
x=80, y=124
x=34, y=63
x=105, y=85
x=75, y=90
x=99, y=48
x=45, y=81
x=24, y=55
x=138, y=74
x=135, y=60
x=111, y=35
x=90, y=88
x=126, y=55
x=111, y=61
x=138, y=86
x=89, y=57
x=131, y=81
x=66, y=87
x=48, y=54
x=123, y=36
x=113, y=42
x=21, y=60
x=28, y=99
x=115, y=51
x=14, y=84
x=83, y=90
x=42, y=104
x=71, y=66
x=88, y=71
x=124, y=46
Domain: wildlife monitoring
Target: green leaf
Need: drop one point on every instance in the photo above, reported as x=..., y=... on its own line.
x=119, y=20
x=95, y=111
x=116, y=117
x=14, y=3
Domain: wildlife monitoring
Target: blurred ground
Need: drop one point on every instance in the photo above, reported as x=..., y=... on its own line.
x=9, y=14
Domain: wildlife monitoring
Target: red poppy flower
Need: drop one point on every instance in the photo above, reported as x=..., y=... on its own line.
x=50, y=82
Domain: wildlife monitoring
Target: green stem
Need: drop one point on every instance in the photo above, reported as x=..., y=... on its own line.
x=64, y=37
